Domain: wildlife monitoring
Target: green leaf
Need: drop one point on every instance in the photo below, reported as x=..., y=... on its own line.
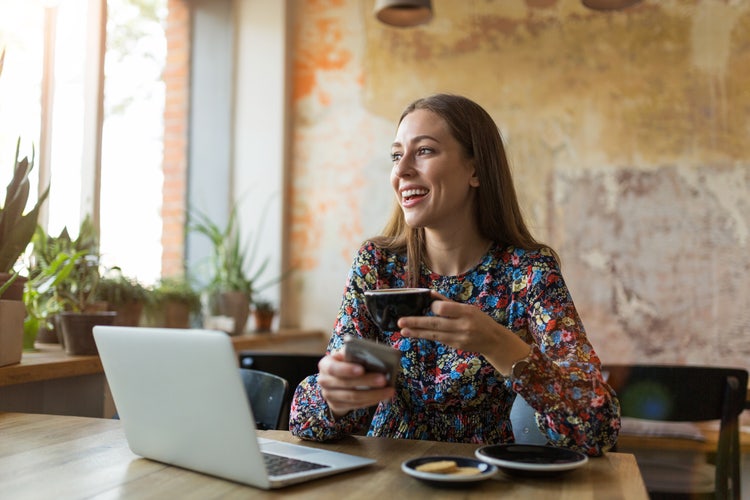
x=16, y=228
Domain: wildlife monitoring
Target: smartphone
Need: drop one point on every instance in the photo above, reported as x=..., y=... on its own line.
x=374, y=357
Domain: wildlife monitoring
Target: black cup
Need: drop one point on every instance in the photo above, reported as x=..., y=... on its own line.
x=387, y=305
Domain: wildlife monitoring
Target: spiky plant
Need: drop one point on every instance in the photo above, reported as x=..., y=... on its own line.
x=16, y=227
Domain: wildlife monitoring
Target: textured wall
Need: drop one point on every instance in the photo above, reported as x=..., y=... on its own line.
x=628, y=133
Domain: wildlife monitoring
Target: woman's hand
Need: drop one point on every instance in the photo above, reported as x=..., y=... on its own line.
x=466, y=327
x=346, y=387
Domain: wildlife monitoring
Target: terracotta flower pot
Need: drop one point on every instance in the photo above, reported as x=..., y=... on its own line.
x=78, y=330
x=263, y=320
x=128, y=314
x=12, y=313
x=15, y=291
x=236, y=305
x=47, y=335
x=175, y=315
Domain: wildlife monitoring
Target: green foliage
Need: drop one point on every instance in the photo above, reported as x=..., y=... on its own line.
x=79, y=290
x=17, y=228
x=47, y=248
x=72, y=265
x=117, y=289
x=263, y=305
x=176, y=289
x=230, y=258
x=39, y=292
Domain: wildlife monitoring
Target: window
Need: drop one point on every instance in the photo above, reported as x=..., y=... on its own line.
x=63, y=92
x=132, y=137
x=20, y=83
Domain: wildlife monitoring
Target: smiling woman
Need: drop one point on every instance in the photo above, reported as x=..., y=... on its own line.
x=501, y=323
x=98, y=139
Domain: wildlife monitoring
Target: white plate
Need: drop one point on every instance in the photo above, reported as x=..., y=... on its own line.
x=531, y=460
x=486, y=470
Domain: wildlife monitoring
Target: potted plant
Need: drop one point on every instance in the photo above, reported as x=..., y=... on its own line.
x=37, y=317
x=174, y=301
x=263, y=313
x=17, y=228
x=123, y=295
x=77, y=259
x=49, y=268
x=230, y=288
x=77, y=294
x=38, y=297
x=16, y=231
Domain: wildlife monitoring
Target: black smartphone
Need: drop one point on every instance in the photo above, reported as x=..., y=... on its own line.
x=374, y=357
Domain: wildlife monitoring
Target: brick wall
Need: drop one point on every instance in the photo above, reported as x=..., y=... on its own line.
x=176, y=113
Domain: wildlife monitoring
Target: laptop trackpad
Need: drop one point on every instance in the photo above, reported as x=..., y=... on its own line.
x=287, y=449
x=320, y=456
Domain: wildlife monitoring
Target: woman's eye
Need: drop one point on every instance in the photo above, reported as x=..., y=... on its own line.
x=396, y=156
x=424, y=150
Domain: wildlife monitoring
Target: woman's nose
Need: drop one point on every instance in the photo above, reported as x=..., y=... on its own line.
x=404, y=166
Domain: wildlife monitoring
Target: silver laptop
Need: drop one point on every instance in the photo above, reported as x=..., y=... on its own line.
x=181, y=400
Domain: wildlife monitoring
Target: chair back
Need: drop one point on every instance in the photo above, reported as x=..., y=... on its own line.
x=291, y=367
x=523, y=420
x=267, y=394
x=688, y=394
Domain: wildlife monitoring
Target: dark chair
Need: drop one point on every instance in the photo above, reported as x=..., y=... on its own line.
x=292, y=367
x=267, y=394
x=686, y=394
x=523, y=420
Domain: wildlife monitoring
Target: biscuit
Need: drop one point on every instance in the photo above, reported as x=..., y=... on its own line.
x=465, y=471
x=438, y=467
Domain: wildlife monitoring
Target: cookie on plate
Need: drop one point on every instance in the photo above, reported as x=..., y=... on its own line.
x=438, y=467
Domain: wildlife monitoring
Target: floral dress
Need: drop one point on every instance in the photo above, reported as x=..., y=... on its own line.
x=446, y=394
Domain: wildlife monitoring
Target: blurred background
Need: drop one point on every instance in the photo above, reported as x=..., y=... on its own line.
x=628, y=133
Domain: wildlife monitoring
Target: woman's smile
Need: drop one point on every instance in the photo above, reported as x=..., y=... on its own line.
x=412, y=196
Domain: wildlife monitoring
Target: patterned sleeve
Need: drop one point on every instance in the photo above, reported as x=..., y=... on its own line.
x=563, y=382
x=310, y=417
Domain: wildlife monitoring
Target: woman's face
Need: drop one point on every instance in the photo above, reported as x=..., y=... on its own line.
x=435, y=183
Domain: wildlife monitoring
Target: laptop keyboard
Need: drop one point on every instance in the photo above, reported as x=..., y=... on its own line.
x=276, y=465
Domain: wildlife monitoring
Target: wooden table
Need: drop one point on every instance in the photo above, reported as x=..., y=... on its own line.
x=45, y=456
x=50, y=381
x=710, y=442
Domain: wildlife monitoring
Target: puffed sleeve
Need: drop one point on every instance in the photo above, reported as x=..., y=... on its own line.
x=310, y=417
x=575, y=408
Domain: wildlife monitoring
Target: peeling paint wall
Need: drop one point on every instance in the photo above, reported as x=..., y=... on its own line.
x=628, y=132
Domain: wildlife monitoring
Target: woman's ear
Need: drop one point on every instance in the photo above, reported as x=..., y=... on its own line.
x=474, y=180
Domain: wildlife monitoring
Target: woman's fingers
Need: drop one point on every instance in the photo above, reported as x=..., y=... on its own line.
x=459, y=325
x=346, y=386
x=344, y=400
x=418, y=325
x=365, y=381
x=335, y=366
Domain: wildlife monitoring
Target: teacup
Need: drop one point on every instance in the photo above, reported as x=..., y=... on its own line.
x=387, y=305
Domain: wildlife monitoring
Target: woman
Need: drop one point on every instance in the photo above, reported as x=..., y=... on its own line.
x=505, y=324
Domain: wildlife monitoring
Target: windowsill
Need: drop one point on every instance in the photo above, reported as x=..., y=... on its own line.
x=50, y=361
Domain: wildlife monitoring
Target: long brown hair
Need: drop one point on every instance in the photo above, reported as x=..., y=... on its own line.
x=498, y=213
